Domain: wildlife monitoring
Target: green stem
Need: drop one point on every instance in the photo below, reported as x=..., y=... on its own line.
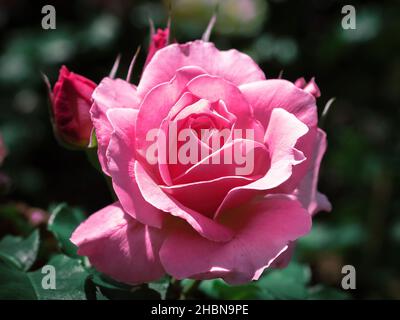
x=189, y=290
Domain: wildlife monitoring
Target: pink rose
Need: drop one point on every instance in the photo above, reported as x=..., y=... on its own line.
x=206, y=219
x=70, y=105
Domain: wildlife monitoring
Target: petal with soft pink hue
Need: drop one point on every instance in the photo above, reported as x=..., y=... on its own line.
x=263, y=230
x=307, y=192
x=282, y=134
x=111, y=93
x=215, y=165
x=231, y=65
x=121, y=159
x=310, y=87
x=266, y=95
x=152, y=193
x=305, y=144
x=198, y=197
x=213, y=89
x=157, y=104
x=119, y=246
x=283, y=259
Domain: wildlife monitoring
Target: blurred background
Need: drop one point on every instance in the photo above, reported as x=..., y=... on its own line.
x=360, y=68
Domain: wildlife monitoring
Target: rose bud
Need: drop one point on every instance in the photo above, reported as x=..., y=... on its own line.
x=70, y=104
x=158, y=40
x=3, y=150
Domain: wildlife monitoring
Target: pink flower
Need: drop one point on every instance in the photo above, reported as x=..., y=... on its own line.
x=205, y=219
x=71, y=102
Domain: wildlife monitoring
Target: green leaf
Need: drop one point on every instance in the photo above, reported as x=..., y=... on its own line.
x=18, y=252
x=62, y=223
x=70, y=278
x=15, y=284
x=218, y=289
x=110, y=289
x=325, y=237
x=161, y=286
x=288, y=283
x=320, y=292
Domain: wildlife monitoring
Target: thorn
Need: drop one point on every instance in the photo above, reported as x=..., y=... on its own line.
x=210, y=26
x=169, y=26
x=325, y=111
x=114, y=69
x=327, y=107
x=47, y=83
x=169, y=9
x=152, y=28
x=132, y=64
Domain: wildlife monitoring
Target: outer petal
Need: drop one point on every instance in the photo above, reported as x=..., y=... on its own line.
x=119, y=246
x=266, y=95
x=153, y=194
x=263, y=230
x=307, y=191
x=231, y=65
x=283, y=259
x=121, y=159
x=111, y=93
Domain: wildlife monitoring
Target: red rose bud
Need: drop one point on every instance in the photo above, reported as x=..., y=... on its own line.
x=70, y=103
x=158, y=40
x=3, y=150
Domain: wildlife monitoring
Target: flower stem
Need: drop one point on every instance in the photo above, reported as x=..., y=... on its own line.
x=189, y=290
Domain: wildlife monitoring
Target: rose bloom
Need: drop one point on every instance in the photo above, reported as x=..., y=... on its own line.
x=203, y=220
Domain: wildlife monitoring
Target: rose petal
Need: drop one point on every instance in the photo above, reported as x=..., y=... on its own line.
x=161, y=98
x=283, y=131
x=111, y=93
x=214, y=165
x=263, y=230
x=266, y=95
x=214, y=88
x=121, y=159
x=152, y=193
x=198, y=197
x=307, y=191
x=119, y=246
x=231, y=65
